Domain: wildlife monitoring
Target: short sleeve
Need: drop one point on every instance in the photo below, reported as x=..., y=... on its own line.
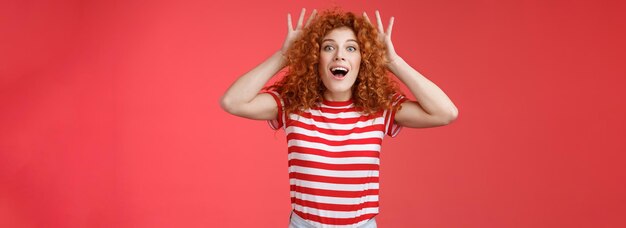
x=277, y=123
x=391, y=127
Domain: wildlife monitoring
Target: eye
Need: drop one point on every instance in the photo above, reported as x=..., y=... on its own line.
x=351, y=49
x=329, y=48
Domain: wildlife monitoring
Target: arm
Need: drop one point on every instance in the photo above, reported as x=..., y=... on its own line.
x=433, y=107
x=243, y=98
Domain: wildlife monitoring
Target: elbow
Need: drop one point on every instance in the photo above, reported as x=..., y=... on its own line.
x=451, y=116
x=227, y=105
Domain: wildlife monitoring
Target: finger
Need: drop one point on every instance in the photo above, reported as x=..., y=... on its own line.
x=301, y=19
x=379, y=22
x=289, y=25
x=367, y=18
x=390, y=27
x=311, y=18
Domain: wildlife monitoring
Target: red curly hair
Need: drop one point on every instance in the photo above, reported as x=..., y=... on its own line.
x=301, y=88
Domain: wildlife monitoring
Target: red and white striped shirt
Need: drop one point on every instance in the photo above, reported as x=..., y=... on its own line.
x=333, y=153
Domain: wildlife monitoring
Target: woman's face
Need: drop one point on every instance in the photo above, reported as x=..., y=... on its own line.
x=340, y=58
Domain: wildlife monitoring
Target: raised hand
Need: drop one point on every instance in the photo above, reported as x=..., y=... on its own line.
x=293, y=34
x=384, y=36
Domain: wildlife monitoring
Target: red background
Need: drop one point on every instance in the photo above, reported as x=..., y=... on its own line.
x=109, y=114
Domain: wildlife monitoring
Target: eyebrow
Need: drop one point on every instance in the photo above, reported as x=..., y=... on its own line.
x=353, y=40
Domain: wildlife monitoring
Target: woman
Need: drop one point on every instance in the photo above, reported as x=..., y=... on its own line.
x=336, y=103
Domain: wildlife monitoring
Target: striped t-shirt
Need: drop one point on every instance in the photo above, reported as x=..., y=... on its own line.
x=333, y=153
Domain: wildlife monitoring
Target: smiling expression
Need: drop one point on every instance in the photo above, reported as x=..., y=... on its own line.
x=340, y=58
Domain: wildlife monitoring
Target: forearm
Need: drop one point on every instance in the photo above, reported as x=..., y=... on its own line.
x=246, y=87
x=430, y=97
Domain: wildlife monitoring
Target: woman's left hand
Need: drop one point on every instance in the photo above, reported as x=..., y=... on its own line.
x=385, y=37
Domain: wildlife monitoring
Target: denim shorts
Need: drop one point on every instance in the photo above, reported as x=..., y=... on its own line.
x=296, y=221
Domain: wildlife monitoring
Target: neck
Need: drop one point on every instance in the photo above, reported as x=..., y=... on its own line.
x=337, y=96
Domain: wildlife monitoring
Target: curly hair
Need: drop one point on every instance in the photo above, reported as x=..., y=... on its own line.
x=301, y=88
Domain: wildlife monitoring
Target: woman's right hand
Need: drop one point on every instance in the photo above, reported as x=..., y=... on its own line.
x=293, y=34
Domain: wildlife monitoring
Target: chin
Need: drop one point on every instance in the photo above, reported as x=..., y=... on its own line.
x=339, y=88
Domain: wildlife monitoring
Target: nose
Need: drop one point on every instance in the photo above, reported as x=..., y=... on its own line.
x=339, y=56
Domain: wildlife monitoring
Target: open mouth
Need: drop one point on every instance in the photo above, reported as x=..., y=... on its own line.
x=339, y=72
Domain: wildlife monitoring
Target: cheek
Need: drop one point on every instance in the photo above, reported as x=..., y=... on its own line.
x=324, y=61
x=356, y=63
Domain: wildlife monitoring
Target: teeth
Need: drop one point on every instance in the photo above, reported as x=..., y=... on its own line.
x=339, y=68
